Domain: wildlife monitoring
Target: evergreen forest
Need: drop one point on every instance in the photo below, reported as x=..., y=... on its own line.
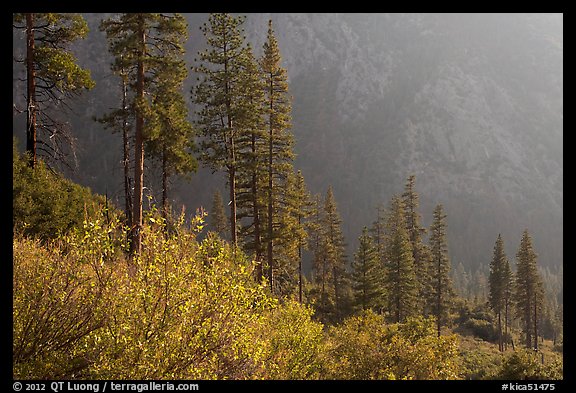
x=263, y=282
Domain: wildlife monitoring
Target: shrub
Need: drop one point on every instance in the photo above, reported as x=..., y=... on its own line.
x=46, y=205
x=364, y=347
x=527, y=364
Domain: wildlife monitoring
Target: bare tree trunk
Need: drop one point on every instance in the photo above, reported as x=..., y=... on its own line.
x=136, y=245
x=165, y=207
x=500, y=343
x=506, y=325
x=232, y=180
x=270, y=207
x=30, y=92
x=126, y=153
x=535, y=322
x=256, y=214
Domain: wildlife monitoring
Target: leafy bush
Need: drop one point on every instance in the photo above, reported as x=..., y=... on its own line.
x=364, y=347
x=294, y=345
x=527, y=364
x=44, y=203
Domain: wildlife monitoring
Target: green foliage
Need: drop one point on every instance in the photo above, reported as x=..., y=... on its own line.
x=400, y=279
x=294, y=343
x=44, y=204
x=367, y=275
x=218, y=221
x=54, y=75
x=419, y=250
x=529, y=290
x=331, y=293
x=61, y=295
x=442, y=295
x=527, y=364
x=364, y=347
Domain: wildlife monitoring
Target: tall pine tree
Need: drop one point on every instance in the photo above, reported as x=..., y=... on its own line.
x=279, y=145
x=400, y=279
x=221, y=98
x=52, y=75
x=498, y=285
x=442, y=294
x=529, y=290
x=218, y=220
x=144, y=45
x=251, y=163
x=173, y=142
x=367, y=275
x=419, y=250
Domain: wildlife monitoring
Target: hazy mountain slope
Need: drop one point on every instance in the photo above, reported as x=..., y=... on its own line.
x=472, y=104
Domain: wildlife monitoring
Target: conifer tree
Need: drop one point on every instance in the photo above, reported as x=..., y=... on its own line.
x=442, y=291
x=498, y=285
x=508, y=280
x=400, y=280
x=529, y=290
x=145, y=45
x=52, y=75
x=419, y=251
x=367, y=278
x=292, y=209
x=119, y=119
x=221, y=99
x=173, y=142
x=336, y=254
x=378, y=230
x=218, y=216
x=279, y=145
x=251, y=163
x=322, y=293
x=303, y=210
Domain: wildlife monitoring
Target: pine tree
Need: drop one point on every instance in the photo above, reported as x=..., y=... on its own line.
x=498, y=285
x=144, y=45
x=292, y=209
x=251, y=163
x=400, y=280
x=290, y=234
x=221, y=99
x=367, y=278
x=508, y=282
x=119, y=120
x=173, y=142
x=419, y=252
x=218, y=216
x=279, y=147
x=321, y=293
x=442, y=291
x=336, y=255
x=529, y=290
x=378, y=230
x=303, y=210
x=52, y=75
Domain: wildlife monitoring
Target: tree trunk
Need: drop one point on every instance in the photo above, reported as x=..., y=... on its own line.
x=270, y=207
x=506, y=325
x=500, y=343
x=232, y=181
x=30, y=92
x=439, y=299
x=256, y=214
x=126, y=155
x=165, y=188
x=535, y=322
x=136, y=245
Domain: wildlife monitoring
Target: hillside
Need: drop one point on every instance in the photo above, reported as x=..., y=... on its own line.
x=472, y=104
